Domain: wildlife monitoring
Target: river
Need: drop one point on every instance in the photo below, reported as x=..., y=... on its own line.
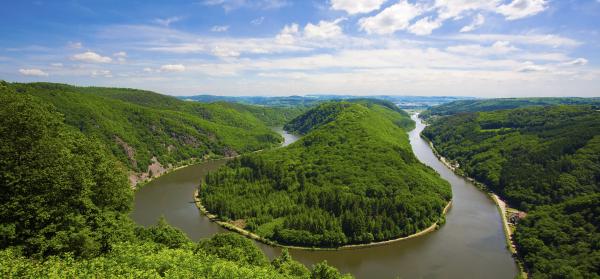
x=470, y=245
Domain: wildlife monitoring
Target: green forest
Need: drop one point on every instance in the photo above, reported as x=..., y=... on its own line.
x=546, y=161
x=352, y=178
x=481, y=105
x=64, y=211
x=138, y=125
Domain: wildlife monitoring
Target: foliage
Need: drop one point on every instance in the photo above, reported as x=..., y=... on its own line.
x=234, y=247
x=351, y=179
x=563, y=240
x=139, y=125
x=60, y=191
x=542, y=159
x=64, y=205
x=531, y=156
x=479, y=105
x=163, y=233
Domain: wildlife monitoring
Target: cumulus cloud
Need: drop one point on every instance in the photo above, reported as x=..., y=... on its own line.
x=522, y=8
x=324, y=29
x=424, y=26
x=91, y=57
x=356, y=6
x=33, y=72
x=288, y=34
x=219, y=28
x=477, y=22
x=393, y=18
x=172, y=68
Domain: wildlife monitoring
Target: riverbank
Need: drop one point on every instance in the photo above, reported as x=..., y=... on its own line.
x=251, y=235
x=500, y=204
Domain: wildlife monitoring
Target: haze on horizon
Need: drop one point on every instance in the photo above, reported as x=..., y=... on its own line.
x=480, y=48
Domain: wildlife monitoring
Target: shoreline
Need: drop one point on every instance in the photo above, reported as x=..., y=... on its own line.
x=251, y=235
x=500, y=205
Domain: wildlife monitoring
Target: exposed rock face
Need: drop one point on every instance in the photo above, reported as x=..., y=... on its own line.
x=229, y=152
x=129, y=151
x=155, y=169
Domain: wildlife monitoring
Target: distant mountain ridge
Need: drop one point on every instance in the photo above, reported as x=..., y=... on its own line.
x=405, y=102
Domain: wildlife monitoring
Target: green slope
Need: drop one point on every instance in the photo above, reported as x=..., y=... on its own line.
x=545, y=160
x=463, y=106
x=139, y=125
x=351, y=179
x=64, y=213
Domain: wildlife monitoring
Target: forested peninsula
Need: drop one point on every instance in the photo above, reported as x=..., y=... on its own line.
x=541, y=159
x=352, y=178
x=151, y=133
x=65, y=203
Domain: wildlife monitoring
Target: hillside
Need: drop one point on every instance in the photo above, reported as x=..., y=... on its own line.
x=545, y=160
x=64, y=213
x=463, y=106
x=351, y=179
x=150, y=132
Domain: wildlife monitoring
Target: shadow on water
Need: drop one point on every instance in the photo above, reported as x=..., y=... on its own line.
x=470, y=245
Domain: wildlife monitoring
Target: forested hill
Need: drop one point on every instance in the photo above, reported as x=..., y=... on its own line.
x=64, y=212
x=149, y=132
x=545, y=160
x=351, y=179
x=476, y=105
x=325, y=113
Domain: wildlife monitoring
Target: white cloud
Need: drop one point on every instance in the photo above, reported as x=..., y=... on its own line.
x=529, y=67
x=225, y=52
x=101, y=73
x=75, y=45
x=167, y=21
x=288, y=34
x=528, y=39
x=91, y=57
x=219, y=28
x=522, y=8
x=258, y=20
x=454, y=9
x=477, y=22
x=229, y=5
x=121, y=56
x=323, y=30
x=57, y=65
x=498, y=48
x=577, y=62
x=172, y=68
x=424, y=26
x=33, y=72
x=356, y=6
x=393, y=18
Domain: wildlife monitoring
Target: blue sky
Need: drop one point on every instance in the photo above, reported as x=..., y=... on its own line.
x=484, y=48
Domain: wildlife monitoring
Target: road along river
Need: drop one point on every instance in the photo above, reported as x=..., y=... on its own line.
x=470, y=245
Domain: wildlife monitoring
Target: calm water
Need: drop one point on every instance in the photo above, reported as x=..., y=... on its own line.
x=470, y=244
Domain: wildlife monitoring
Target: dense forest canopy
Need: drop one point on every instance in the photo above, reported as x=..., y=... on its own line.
x=64, y=212
x=545, y=160
x=479, y=105
x=141, y=127
x=352, y=178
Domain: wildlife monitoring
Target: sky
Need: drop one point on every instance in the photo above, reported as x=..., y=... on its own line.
x=480, y=48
